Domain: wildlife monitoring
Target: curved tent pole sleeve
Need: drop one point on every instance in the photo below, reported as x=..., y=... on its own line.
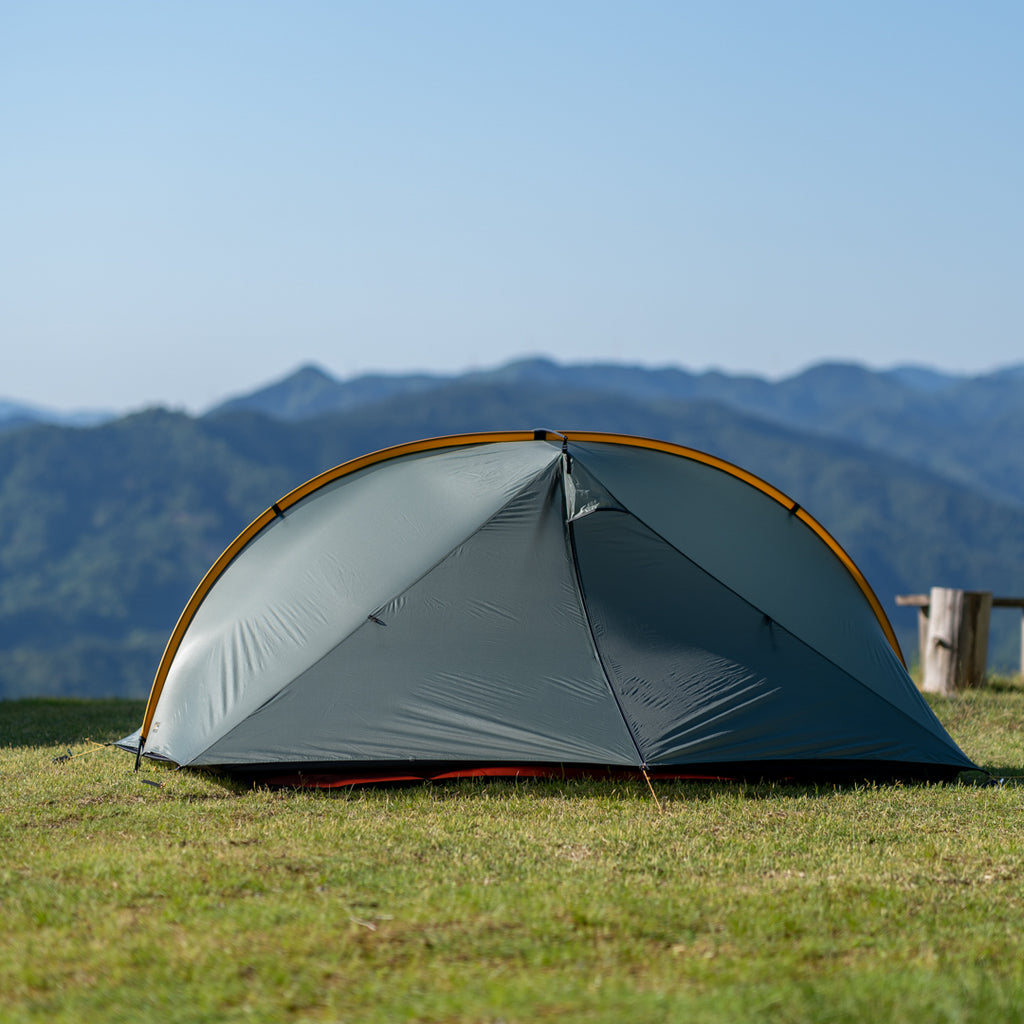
x=177, y=634
x=783, y=499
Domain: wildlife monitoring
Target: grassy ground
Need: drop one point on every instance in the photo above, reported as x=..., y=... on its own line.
x=167, y=896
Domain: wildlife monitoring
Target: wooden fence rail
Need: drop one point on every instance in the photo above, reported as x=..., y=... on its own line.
x=952, y=634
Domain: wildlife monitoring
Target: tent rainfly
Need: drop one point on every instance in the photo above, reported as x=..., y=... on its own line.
x=531, y=602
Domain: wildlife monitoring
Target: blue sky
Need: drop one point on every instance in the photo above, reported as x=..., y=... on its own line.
x=199, y=196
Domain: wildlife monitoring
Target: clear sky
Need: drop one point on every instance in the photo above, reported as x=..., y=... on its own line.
x=199, y=196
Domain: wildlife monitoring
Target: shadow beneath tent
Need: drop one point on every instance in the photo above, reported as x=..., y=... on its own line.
x=542, y=781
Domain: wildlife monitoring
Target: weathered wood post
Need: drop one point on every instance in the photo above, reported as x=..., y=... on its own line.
x=922, y=632
x=955, y=652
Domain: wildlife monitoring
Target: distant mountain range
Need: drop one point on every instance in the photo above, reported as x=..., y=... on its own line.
x=961, y=427
x=109, y=527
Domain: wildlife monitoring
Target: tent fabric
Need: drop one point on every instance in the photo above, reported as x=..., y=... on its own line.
x=530, y=599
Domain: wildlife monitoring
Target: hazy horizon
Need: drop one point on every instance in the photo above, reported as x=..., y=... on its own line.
x=230, y=392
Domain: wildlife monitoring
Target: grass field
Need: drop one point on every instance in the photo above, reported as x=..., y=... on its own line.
x=167, y=896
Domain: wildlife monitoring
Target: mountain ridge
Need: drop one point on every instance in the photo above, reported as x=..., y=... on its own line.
x=959, y=426
x=310, y=389
x=109, y=528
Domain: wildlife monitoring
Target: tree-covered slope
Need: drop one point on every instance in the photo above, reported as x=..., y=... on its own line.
x=970, y=429
x=107, y=530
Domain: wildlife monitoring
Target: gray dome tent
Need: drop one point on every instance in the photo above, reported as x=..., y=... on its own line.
x=532, y=602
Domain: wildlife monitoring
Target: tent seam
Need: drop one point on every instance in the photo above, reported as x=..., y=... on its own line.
x=570, y=537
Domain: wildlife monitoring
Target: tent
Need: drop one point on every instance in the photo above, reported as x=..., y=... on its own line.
x=532, y=602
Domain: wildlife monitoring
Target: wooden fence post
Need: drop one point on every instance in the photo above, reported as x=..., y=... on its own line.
x=956, y=650
x=922, y=632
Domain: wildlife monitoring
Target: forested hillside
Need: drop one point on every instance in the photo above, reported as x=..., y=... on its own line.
x=108, y=529
x=968, y=429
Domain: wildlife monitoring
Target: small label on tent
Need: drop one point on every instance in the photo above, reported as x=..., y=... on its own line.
x=590, y=506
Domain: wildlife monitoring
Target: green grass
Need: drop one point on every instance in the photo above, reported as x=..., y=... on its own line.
x=194, y=900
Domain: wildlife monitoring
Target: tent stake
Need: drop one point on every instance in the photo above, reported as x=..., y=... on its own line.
x=650, y=786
